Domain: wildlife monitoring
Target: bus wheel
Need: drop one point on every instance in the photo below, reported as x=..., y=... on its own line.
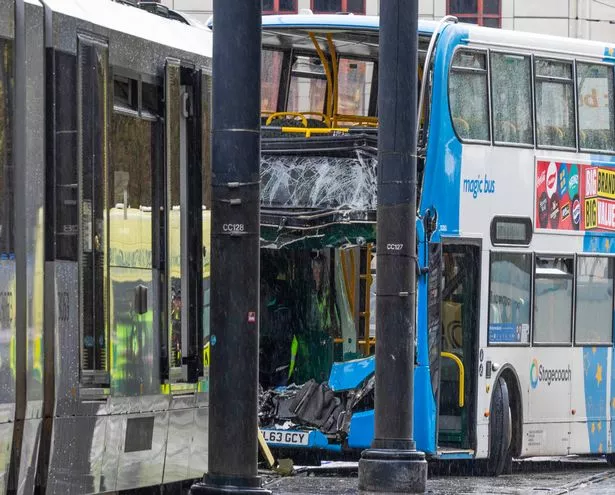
x=500, y=431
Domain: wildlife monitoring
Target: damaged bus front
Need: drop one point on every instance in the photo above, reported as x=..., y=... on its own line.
x=318, y=230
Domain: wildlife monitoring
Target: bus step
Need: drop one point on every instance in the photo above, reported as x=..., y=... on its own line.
x=452, y=453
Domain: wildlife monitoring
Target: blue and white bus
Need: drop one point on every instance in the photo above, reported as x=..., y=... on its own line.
x=516, y=214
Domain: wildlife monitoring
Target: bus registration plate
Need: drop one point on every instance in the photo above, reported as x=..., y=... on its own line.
x=286, y=437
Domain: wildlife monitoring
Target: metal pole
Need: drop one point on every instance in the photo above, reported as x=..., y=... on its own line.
x=235, y=255
x=393, y=463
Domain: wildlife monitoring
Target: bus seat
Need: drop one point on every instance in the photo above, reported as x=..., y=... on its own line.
x=495, y=315
x=552, y=135
x=462, y=127
x=507, y=130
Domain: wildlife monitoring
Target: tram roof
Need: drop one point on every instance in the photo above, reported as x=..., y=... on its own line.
x=137, y=22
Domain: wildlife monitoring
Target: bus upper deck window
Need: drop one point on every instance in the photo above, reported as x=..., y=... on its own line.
x=308, y=85
x=595, y=97
x=512, y=98
x=271, y=74
x=555, y=112
x=468, y=95
x=355, y=77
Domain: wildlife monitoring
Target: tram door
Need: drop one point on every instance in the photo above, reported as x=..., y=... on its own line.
x=459, y=313
x=183, y=239
x=93, y=160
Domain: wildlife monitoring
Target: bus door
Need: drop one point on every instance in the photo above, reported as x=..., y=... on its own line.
x=459, y=315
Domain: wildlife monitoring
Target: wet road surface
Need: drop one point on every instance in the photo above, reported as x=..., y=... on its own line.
x=580, y=477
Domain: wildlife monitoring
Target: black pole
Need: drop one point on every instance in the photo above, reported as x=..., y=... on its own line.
x=393, y=464
x=235, y=256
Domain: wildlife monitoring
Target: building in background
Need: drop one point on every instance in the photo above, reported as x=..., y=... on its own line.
x=588, y=19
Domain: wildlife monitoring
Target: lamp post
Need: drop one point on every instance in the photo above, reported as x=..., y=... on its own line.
x=235, y=254
x=393, y=464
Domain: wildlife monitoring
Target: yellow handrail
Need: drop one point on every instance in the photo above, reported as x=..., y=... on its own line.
x=290, y=114
x=452, y=356
x=308, y=131
x=325, y=64
x=335, y=95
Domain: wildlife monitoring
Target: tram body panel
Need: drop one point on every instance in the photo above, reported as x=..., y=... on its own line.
x=35, y=229
x=7, y=258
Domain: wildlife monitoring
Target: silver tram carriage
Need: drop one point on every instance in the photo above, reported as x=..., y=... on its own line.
x=104, y=269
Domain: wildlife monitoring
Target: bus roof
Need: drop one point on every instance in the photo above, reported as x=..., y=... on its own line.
x=475, y=34
x=335, y=22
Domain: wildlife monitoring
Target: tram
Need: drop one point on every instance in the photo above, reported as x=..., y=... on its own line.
x=104, y=236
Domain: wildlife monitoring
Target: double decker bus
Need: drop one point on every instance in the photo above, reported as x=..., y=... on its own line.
x=515, y=214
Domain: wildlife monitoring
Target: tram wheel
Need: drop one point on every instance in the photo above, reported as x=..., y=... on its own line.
x=500, y=432
x=610, y=458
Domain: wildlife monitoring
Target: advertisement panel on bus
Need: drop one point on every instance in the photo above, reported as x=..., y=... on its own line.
x=572, y=196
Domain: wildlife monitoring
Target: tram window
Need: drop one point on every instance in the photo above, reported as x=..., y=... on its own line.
x=555, y=117
x=65, y=244
x=595, y=100
x=271, y=74
x=6, y=159
x=594, y=300
x=468, y=95
x=125, y=92
x=512, y=98
x=509, y=298
x=151, y=96
x=553, y=300
x=308, y=85
x=130, y=216
x=355, y=77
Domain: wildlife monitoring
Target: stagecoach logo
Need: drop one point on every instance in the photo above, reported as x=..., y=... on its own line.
x=538, y=373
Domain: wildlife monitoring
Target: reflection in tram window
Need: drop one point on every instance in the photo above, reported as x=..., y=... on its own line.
x=135, y=344
x=131, y=190
x=6, y=161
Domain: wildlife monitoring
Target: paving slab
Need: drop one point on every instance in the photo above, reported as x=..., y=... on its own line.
x=545, y=476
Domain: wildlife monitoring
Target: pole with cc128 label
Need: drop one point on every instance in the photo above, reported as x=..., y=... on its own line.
x=235, y=254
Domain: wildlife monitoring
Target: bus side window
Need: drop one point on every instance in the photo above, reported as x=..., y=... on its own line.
x=468, y=95
x=595, y=99
x=511, y=98
x=553, y=284
x=510, y=284
x=594, y=300
x=555, y=109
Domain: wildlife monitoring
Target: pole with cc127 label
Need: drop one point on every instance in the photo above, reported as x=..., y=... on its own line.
x=235, y=254
x=392, y=464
